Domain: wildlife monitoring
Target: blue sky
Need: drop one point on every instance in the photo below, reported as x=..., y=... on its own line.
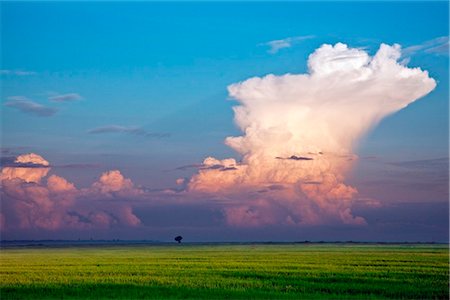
x=164, y=67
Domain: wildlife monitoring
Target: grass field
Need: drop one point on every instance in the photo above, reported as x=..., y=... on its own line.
x=286, y=271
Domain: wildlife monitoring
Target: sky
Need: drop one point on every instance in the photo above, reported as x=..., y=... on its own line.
x=225, y=121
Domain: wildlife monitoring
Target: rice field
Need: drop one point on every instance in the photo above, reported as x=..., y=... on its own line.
x=249, y=271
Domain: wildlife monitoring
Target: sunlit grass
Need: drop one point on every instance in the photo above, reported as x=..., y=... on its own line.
x=227, y=271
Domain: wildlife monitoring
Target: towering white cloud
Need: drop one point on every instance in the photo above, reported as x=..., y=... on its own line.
x=299, y=132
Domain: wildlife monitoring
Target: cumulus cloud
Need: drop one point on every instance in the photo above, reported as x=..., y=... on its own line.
x=65, y=97
x=277, y=45
x=28, y=106
x=30, y=199
x=299, y=132
x=113, y=183
x=128, y=130
x=27, y=167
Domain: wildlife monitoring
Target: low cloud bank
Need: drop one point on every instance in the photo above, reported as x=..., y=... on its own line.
x=32, y=199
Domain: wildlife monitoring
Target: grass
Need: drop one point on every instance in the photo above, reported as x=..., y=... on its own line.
x=287, y=271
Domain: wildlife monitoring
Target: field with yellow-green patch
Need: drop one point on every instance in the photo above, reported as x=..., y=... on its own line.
x=278, y=271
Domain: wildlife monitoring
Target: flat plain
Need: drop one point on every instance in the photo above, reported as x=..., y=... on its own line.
x=226, y=271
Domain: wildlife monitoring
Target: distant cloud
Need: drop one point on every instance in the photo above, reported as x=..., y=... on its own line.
x=8, y=162
x=435, y=46
x=65, y=97
x=294, y=157
x=17, y=72
x=8, y=151
x=27, y=167
x=210, y=163
x=187, y=167
x=432, y=164
x=27, y=162
x=32, y=199
x=78, y=166
x=28, y=106
x=129, y=130
x=276, y=45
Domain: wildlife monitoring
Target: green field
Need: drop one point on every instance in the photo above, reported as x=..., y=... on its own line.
x=283, y=271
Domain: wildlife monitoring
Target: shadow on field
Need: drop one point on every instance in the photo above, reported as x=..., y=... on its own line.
x=128, y=291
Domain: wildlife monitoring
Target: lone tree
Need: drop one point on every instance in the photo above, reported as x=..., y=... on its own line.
x=178, y=239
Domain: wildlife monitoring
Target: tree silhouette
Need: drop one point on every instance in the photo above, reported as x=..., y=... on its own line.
x=178, y=239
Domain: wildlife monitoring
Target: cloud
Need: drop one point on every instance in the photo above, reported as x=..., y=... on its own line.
x=129, y=130
x=78, y=166
x=17, y=72
x=299, y=131
x=113, y=183
x=65, y=97
x=30, y=199
x=27, y=167
x=435, y=46
x=187, y=167
x=294, y=157
x=431, y=164
x=10, y=161
x=25, y=105
x=212, y=163
x=11, y=150
x=276, y=45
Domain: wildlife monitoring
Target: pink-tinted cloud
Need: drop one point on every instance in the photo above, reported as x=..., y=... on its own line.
x=254, y=213
x=112, y=183
x=30, y=199
x=58, y=184
x=30, y=168
x=299, y=132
